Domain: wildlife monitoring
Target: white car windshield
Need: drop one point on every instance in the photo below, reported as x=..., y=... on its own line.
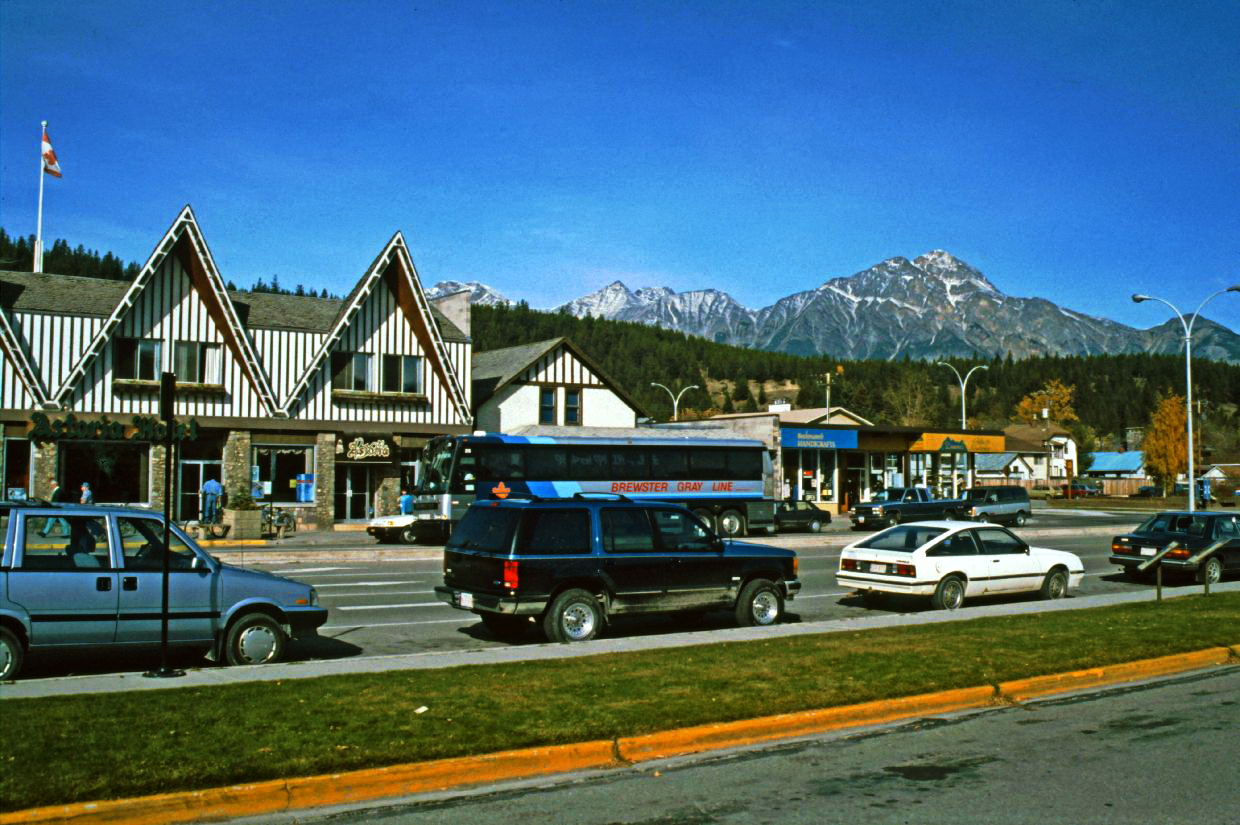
x=904, y=538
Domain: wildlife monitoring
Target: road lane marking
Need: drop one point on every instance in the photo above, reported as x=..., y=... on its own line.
x=391, y=624
x=380, y=595
x=390, y=606
x=310, y=570
x=372, y=584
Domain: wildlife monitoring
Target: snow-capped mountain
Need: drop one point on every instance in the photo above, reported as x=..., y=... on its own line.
x=931, y=307
x=478, y=293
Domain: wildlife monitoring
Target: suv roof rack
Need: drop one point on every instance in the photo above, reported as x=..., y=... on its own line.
x=609, y=496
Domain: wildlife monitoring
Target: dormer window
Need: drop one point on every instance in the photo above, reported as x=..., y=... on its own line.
x=402, y=374
x=136, y=359
x=196, y=362
x=351, y=371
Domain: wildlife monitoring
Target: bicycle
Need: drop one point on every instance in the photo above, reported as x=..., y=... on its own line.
x=278, y=521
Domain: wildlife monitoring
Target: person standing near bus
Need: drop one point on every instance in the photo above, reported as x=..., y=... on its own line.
x=406, y=503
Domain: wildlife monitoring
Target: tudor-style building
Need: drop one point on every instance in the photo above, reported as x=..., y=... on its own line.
x=316, y=404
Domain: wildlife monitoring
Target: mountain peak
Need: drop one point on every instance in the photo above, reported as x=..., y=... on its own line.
x=947, y=267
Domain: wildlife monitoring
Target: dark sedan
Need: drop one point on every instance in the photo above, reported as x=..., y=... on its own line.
x=800, y=515
x=1207, y=544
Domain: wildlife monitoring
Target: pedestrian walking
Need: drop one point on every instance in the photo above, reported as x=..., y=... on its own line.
x=87, y=496
x=211, y=489
x=57, y=496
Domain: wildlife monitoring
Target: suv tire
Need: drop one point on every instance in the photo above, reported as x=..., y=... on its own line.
x=574, y=616
x=10, y=655
x=1020, y=519
x=760, y=604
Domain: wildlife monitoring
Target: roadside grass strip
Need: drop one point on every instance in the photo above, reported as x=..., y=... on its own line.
x=61, y=750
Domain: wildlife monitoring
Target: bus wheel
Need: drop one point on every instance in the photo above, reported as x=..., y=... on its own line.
x=707, y=518
x=732, y=523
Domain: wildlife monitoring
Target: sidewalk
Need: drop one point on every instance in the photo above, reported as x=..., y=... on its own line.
x=206, y=677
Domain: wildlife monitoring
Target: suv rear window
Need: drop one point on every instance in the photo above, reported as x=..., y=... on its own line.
x=554, y=533
x=488, y=529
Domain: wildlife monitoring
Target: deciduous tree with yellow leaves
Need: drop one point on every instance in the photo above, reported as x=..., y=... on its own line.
x=1166, y=441
x=1054, y=397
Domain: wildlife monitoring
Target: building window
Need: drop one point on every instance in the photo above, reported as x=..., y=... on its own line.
x=572, y=406
x=402, y=373
x=546, y=405
x=118, y=472
x=280, y=469
x=351, y=371
x=136, y=358
x=196, y=362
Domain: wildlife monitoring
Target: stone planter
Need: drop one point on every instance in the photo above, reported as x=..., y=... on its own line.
x=244, y=524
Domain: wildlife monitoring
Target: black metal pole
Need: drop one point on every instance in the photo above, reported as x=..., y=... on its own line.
x=167, y=394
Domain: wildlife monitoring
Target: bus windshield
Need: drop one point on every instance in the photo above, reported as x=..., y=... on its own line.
x=436, y=466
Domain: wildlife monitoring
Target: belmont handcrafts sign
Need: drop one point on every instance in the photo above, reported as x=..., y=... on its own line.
x=143, y=428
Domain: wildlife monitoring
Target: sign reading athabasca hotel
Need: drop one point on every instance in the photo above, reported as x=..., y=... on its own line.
x=321, y=405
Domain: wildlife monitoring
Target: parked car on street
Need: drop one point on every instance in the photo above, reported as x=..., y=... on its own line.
x=951, y=561
x=570, y=565
x=1208, y=544
x=899, y=504
x=1080, y=489
x=800, y=515
x=1148, y=491
x=92, y=577
x=1006, y=504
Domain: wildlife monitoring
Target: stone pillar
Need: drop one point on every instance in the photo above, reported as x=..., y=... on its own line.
x=156, y=499
x=46, y=466
x=387, y=493
x=325, y=480
x=237, y=464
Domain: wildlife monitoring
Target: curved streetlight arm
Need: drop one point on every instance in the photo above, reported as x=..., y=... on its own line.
x=964, y=382
x=675, y=397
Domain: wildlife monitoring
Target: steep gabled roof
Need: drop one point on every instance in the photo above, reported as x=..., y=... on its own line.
x=495, y=369
x=185, y=240
x=15, y=350
x=427, y=325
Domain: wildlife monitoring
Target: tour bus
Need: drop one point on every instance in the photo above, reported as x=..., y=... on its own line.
x=727, y=482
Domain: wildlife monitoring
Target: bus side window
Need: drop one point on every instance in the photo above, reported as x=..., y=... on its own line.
x=500, y=463
x=669, y=463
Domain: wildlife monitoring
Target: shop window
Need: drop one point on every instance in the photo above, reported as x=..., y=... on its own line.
x=546, y=405
x=572, y=406
x=196, y=362
x=118, y=472
x=16, y=468
x=351, y=371
x=402, y=373
x=136, y=358
x=278, y=469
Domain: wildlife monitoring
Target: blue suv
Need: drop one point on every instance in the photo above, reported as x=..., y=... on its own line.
x=79, y=577
x=569, y=565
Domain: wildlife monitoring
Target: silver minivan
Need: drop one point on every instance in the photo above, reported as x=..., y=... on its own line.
x=1006, y=504
x=73, y=577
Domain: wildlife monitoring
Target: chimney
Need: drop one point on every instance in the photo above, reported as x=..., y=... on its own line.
x=455, y=308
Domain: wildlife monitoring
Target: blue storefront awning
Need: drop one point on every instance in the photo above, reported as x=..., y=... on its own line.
x=817, y=439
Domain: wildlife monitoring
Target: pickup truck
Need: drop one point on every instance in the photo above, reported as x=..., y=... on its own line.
x=897, y=504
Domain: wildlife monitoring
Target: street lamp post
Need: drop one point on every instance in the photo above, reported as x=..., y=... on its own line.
x=675, y=398
x=1188, y=374
x=963, y=418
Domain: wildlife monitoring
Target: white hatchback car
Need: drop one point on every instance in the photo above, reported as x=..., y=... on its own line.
x=951, y=560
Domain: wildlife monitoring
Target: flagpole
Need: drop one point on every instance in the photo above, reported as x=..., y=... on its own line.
x=38, y=238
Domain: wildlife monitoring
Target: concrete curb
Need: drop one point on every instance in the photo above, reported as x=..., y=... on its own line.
x=283, y=795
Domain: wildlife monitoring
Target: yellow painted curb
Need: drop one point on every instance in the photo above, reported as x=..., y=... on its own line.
x=1021, y=689
x=398, y=780
x=313, y=791
x=788, y=725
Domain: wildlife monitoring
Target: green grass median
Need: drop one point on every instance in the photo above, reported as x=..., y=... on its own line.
x=67, y=749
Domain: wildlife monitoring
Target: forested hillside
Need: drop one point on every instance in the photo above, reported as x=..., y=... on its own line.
x=1112, y=393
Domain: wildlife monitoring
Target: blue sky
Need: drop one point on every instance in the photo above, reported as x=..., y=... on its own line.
x=1077, y=151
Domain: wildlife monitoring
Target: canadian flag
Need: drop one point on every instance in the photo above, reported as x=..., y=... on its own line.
x=50, y=165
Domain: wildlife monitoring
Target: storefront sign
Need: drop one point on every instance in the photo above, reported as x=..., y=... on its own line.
x=806, y=439
x=360, y=449
x=72, y=428
x=957, y=442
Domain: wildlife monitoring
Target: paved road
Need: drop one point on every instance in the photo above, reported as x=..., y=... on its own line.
x=382, y=608
x=1164, y=752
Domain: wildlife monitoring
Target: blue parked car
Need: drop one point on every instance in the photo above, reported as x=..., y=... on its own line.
x=75, y=576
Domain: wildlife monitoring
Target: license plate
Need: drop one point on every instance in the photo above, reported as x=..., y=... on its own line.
x=1147, y=551
x=465, y=599
x=877, y=567
x=861, y=519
